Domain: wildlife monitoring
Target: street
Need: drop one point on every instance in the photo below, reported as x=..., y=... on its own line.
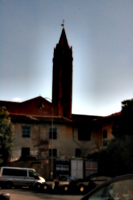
x=22, y=194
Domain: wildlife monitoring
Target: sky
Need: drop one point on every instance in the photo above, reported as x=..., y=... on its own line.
x=101, y=35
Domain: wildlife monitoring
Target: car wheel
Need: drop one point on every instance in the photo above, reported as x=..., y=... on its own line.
x=8, y=184
x=45, y=187
x=65, y=188
x=37, y=186
x=81, y=188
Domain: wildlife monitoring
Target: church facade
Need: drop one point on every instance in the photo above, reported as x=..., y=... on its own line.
x=49, y=130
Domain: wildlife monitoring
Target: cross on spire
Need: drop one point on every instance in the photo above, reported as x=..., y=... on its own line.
x=63, y=23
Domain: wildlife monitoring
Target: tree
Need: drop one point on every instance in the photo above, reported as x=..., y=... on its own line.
x=117, y=158
x=124, y=125
x=6, y=135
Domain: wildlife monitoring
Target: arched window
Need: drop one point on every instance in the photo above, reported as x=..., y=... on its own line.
x=104, y=137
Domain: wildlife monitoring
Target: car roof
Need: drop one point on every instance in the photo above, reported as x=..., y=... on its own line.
x=112, y=180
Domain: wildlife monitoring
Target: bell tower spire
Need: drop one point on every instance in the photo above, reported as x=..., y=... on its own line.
x=62, y=76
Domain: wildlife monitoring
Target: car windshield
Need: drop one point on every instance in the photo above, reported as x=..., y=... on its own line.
x=120, y=190
x=63, y=177
x=72, y=178
x=32, y=173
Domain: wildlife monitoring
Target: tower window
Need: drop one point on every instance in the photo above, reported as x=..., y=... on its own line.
x=54, y=151
x=78, y=152
x=104, y=134
x=25, y=152
x=52, y=133
x=65, y=112
x=26, y=131
x=105, y=138
x=84, y=132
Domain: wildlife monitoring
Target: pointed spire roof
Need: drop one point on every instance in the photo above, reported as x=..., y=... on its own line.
x=63, y=38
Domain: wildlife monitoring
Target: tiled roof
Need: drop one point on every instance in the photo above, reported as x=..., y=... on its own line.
x=40, y=109
x=114, y=115
x=35, y=106
x=38, y=118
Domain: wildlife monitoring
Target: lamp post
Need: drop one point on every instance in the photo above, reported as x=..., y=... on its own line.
x=52, y=146
x=51, y=139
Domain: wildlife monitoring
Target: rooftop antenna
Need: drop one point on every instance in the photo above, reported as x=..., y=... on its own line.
x=63, y=23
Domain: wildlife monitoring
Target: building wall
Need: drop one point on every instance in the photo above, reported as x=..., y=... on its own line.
x=66, y=143
x=39, y=142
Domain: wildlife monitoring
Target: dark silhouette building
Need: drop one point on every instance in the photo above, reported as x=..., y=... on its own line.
x=62, y=77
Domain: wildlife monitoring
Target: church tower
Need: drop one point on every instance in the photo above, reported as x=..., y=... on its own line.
x=62, y=77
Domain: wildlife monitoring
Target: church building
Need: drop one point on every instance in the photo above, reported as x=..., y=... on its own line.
x=50, y=132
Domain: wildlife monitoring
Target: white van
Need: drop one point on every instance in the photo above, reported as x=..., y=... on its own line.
x=16, y=176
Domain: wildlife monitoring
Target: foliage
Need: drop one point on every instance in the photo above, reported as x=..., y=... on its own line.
x=124, y=126
x=94, y=156
x=6, y=135
x=117, y=158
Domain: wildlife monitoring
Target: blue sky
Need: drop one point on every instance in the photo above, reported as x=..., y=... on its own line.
x=100, y=33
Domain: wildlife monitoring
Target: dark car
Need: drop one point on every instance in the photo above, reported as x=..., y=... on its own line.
x=66, y=184
x=90, y=182
x=5, y=196
x=118, y=188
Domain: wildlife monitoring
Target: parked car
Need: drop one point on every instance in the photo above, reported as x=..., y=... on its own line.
x=5, y=196
x=66, y=184
x=118, y=188
x=19, y=177
x=90, y=182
